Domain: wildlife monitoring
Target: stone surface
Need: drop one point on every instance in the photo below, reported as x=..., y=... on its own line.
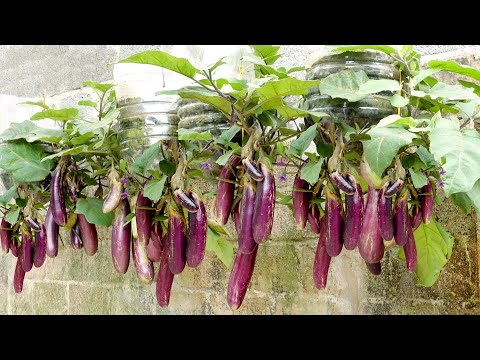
x=49, y=298
x=89, y=299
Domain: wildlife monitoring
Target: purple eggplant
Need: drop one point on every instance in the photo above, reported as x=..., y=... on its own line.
x=246, y=243
x=264, y=206
x=342, y=183
x=33, y=224
x=385, y=215
x=321, y=263
x=314, y=218
x=18, y=276
x=236, y=216
x=121, y=238
x=185, y=201
x=416, y=216
x=370, y=244
x=393, y=188
x=164, y=278
x=143, y=218
x=5, y=235
x=27, y=250
x=177, y=241
x=57, y=203
x=240, y=277
x=374, y=268
x=154, y=247
x=300, y=200
x=15, y=247
x=352, y=226
x=197, y=233
x=401, y=218
x=114, y=196
x=40, y=251
x=410, y=248
x=143, y=265
x=427, y=202
x=89, y=235
x=252, y=170
x=333, y=223
x=226, y=190
x=75, y=237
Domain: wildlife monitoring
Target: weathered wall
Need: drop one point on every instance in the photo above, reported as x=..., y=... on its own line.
x=74, y=283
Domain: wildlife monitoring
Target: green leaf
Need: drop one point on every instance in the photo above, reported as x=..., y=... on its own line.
x=268, y=119
x=311, y=171
x=82, y=139
x=206, y=96
x=12, y=216
x=165, y=60
x=31, y=132
x=166, y=167
x=462, y=200
x=24, y=161
x=90, y=103
x=396, y=120
x=469, y=84
x=57, y=115
x=222, y=160
x=418, y=178
x=187, y=134
x=143, y=162
x=453, y=66
x=460, y=151
x=82, y=149
x=288, y=112
x=122, y=164
x=426, y=156
x=284, y=87
x=97, y=86
x=40, y=103
x=228, y=135
x=398, y=101
x=383, y=145
x=219, y=62
x=86, y=127
x=300, y=144
x=92, y=209
x=343, y=48
x=423, y=74
x=344, y=84
x=376, y=86
x=221, y=247
x=284, y=199
x=267, y=52
x=474, y=196
x=8, y=195
x=154, y=189
x=451, y=92
x=434, y=247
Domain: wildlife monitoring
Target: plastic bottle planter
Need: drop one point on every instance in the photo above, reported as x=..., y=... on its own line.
x=143, y=123
x=198, y=116
x=370, y=109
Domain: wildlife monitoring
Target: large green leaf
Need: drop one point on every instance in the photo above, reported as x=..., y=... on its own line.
x=92, y=209
x=220, y=246
x=418, y=178
x=206, y=96
x=88, y=103
x=451, y=92
x=376, y=86
x=154, y=189
x=469, y=84
x=434, y=247
x=288, y=112
x=82, y=149
x=474, y=196
x=396, y=120
x=268, y=53
x=453, y=66
x=300, y=144
x=8, y=195
x=29, y=131
x=84, y=127
x=344, y=84
x=165, y=60
x=228, y=135
x=12, y=215
x=284, y=87
x=422, y=75
x=143, y=162
x=460, y=150
x=311, y=171
x=342, y=48
x=24, y=161
x=462, y=200
x=187, y=134
x=384, y=144
x=58, y=115
x=97, y=86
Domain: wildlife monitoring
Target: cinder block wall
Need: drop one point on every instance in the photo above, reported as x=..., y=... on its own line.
x=74, y=283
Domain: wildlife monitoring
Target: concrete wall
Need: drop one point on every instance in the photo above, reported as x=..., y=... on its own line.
x=74, y=283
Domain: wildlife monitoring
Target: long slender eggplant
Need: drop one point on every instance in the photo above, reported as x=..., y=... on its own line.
x=143, y=218
x=18, y=276
x=164, y=278
x=236, y=216
x=321, y=263
x=185, y=201
x=121, y=238
x=314, y=218
x=57, y=203
x=352, y=225
x=240, y=277
x=246, y=243
x=75, y=237
x=154, y=247
x=333, y=223
x=385, y=215
x=115, y=194
x=89, y=235
x=52, y=234
x=252, y=170
x=264, y=206
x=410, y=248
x=40, y=251
x=226, y=190
x=393, y=188
x=342, y=183
x=401, y=218
x=177, y=239
x=33, y=224
x=416, y=216
x=197, y=233
x=301, y=200
x=375, y=268
x=370, y=245
x=5, y=235
x=143, y=265
x=427, y=202
x=15, y=247
x=27, y=250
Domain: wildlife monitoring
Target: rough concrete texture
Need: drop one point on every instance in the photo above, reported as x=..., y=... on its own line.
x=282, y=283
